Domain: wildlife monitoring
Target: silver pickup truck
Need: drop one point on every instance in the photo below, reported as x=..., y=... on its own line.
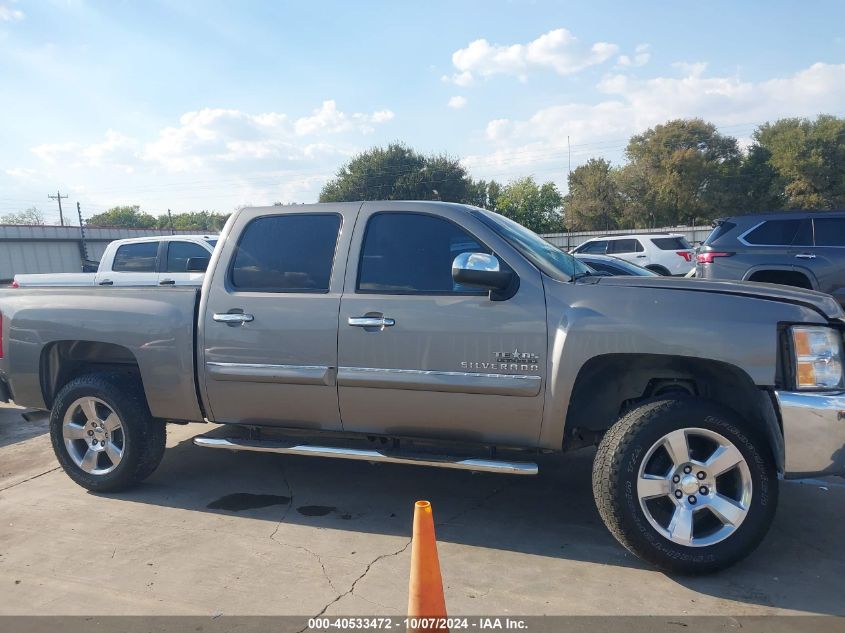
x=443, y=335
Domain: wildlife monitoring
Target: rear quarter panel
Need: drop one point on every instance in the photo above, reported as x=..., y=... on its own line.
x=155, y=324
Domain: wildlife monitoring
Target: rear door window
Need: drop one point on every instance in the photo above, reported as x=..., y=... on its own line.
x=795, y=232
x=286, y=253
x=136, y=258
x=178, y=254
x=624, y=246
x=597, y=247
x=671, y=243
x=829, y=231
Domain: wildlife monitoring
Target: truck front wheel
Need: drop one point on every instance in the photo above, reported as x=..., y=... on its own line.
x=684, y=485
x=103, y=434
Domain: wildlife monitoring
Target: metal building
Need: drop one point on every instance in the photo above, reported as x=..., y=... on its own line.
x=59, y=249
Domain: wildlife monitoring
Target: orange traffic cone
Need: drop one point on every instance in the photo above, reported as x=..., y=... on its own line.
x=426, y=602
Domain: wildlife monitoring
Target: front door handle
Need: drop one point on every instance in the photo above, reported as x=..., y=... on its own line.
x=106, y=282
x=167, y=282
x=371, y=322
x=234, y=318
x=805, y=256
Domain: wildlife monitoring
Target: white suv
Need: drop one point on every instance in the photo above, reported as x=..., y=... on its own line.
x=663, y=253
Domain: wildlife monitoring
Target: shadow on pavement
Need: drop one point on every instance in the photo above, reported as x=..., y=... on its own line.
x=799, y=566
x=18, y=425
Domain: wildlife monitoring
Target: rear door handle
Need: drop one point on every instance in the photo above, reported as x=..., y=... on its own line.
x=167, y=282
x=106, y=282
x=234, y=318
x=371, y=322
x=805, y=256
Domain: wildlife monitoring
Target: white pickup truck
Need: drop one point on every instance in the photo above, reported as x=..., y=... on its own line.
x=172, y=260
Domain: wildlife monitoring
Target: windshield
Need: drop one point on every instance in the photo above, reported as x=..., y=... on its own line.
x=545, y=256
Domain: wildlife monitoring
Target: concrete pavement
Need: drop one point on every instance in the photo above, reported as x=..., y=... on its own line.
x=213, y=532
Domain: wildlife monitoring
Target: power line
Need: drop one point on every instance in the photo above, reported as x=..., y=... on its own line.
x=59, y=197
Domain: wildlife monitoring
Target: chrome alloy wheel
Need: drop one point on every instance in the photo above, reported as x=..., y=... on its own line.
x=694, y=487
x=93, y=436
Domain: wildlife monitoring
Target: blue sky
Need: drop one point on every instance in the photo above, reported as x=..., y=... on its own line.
x=210, y=105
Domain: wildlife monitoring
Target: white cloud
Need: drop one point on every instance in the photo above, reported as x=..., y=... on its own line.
x=640, y=57
x=632, y=105
x=223, y=157
x=557, y=50
x=8, y=13
x=228, y=135
x=459, y=79
x=53, y=152
x=22, y=173
x=328, y=119
x=117, y=150
x=457, y=102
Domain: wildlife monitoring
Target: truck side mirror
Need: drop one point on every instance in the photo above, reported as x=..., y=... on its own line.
x=197, y=264
x=480, y=270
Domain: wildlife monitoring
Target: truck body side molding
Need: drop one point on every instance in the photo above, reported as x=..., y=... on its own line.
x=258, y=372
x=446, y=381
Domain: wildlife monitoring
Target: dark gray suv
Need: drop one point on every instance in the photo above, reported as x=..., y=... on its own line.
x=804, y=249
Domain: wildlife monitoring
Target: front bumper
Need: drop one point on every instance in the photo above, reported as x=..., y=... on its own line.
x=813, y=432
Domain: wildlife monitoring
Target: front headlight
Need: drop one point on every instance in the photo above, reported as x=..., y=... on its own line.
x=817, y=352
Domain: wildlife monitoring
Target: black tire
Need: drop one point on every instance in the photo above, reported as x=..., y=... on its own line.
x=617, y=466
x=663, y=272
x=144, y=438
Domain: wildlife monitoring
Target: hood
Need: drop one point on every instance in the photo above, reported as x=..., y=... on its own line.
x=818, y=301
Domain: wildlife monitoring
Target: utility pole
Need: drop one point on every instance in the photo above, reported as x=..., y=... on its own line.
x=170, y=219
x=59, y=197
x=84, y=248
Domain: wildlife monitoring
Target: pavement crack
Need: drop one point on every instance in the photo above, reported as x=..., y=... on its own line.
x=290, y=503
x=315, y=555
x=301, y=547
x=355, y=582
x=46, y=472
x=472, y=508
x=377, y=604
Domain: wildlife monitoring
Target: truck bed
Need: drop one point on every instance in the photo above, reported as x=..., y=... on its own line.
x=155, y=325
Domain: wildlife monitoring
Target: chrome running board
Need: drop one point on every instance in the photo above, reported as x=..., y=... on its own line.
x=440, y=461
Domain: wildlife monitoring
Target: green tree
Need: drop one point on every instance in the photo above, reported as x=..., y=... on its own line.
x=31, y=216
x=535, y=207
x=760, y=187
x=128, y=216
x=594, y=201
x=209, y=221
x=397, y=172
x=484, y=194
x=809, y=158
x=637, y=198
x=684, y=168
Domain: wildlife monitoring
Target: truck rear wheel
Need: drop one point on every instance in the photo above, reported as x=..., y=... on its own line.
x=103, y=434
x=681, y=483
